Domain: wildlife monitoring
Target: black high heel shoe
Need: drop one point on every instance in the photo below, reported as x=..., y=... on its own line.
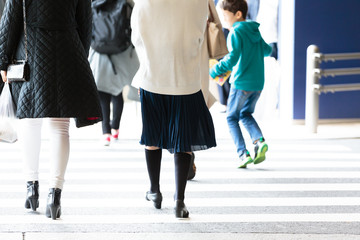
x=155, y=197
x=32, y=196
x=53, y=207
x=180, y=209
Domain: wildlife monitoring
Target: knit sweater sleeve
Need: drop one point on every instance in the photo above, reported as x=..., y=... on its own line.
x=234, y=44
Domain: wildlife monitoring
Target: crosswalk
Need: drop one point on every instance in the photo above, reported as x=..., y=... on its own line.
x=305, y=186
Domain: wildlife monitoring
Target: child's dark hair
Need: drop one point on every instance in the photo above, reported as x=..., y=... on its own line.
x=234, y=6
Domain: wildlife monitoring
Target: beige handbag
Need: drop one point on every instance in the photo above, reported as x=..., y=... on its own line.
x=216, y=39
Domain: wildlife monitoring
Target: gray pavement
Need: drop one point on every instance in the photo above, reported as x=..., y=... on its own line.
x=178, y=236
x=308, y=188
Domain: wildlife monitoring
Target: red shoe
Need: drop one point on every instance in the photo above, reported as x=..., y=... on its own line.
x=115, y=134
x=106, y=140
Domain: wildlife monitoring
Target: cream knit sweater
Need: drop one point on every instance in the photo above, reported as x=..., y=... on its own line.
x=168, y=37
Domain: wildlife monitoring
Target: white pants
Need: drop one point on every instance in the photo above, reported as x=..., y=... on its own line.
x=30, y=139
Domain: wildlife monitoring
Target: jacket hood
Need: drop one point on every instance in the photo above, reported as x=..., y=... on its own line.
x=249, y=29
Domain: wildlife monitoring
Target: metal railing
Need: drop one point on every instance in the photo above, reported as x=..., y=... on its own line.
x=313, y=86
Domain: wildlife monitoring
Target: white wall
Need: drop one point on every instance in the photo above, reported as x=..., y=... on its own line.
x=286, y=58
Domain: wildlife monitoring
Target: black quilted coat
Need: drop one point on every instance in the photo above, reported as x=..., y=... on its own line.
x=61, y=82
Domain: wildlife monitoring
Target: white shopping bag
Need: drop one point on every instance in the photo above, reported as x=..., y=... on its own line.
x=7, y=116
x=266, y=110
x=7, y=131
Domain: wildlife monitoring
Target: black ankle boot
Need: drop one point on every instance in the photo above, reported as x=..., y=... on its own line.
x=53, y=207
x=155, y=197
x=32, y=196
x=180, y=209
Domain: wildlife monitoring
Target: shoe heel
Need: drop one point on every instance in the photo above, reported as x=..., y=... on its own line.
x=157, y=205
x=33, y=203
x=53, y=207
x=27, y=204
x=180, y=209
x=32, y=199
x=54, y=212
x=181, y=214
x=155, y=197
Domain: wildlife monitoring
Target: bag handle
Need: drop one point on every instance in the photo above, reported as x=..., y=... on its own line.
x=210, y=16
x=213, y=16
x=25, y=34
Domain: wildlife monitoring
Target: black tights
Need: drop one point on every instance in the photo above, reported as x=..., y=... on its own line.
x=118, y=105
x=182, y=165
x=153, y=162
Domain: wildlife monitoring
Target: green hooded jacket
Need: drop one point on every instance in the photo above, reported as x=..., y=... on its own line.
x=245, y=59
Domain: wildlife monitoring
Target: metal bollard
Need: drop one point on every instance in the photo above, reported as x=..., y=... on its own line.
x=312, y=96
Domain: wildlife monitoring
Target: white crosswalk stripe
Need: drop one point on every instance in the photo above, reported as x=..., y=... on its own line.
x=203, y=187
x=204, y=218
x=314, y=183
x=200, y=202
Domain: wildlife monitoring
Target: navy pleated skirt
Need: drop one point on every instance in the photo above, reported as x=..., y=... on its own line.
x=178, y=123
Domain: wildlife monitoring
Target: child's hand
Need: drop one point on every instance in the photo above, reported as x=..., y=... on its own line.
x=212, y=73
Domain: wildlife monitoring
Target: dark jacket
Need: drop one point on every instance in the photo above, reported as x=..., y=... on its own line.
x=61, y=82
x=2, y=4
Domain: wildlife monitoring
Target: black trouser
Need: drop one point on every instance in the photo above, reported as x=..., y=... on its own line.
x=224, y=92
x=274, y=52
x=117, y=109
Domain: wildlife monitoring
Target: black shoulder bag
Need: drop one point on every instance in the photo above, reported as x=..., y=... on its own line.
x=19, y=70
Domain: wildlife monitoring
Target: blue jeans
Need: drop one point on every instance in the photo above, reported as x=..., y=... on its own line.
x=241, y=106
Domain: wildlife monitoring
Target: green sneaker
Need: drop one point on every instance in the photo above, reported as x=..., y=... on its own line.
x=245, y=159
x=260, y=149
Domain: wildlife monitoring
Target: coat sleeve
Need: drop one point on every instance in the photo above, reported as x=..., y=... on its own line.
x=2, y=5
x=11, y=28
x=84, y=23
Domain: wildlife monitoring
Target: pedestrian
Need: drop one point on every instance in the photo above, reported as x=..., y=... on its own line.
x=113, y=71
x=253, y=9
x=60, y=85
x=246, y=61
x=223, y=90
x=267, y=108
x=268, y=16
x=168, y=37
